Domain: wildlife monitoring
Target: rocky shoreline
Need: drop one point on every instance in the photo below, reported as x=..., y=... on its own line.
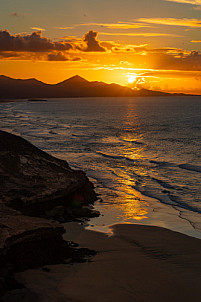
x=38, y=193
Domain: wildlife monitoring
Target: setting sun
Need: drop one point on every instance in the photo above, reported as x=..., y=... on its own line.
x=132, y=79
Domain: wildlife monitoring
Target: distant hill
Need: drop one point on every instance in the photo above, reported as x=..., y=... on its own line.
x=75, y=86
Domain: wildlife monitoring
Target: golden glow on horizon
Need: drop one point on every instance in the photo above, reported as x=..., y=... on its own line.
x=128, y=62
x=54, y=72
x=162, y=69
x=139, y=44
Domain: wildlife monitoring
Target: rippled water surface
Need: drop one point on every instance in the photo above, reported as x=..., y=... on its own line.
x=143, y=154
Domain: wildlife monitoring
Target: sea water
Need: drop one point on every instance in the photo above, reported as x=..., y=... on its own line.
x=142, y=154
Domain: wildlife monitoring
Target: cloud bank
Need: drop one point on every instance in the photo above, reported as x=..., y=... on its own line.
x=33, y=42
x=35, y=47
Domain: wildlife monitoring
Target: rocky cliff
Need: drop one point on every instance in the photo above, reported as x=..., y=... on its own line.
x=38, y=184
x=35, y=190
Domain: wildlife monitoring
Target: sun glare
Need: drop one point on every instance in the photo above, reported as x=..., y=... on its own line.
x=132, y=79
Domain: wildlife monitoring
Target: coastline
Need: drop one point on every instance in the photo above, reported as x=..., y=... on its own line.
x=158, y=214
x=136, y=263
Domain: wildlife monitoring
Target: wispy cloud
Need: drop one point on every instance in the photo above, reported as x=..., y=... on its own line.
x=171, y=73
x=38, y=28
x=118, y=25
x=196, y=41
x=193, y=2
x=70, y=39
x=67, y=27
x=173, y=21
x=138, y=34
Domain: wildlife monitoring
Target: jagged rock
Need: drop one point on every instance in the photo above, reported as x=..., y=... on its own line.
x=34, y=184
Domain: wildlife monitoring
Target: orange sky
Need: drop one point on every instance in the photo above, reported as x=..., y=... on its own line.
x=157, y=44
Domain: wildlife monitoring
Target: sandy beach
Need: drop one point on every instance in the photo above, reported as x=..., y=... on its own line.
x=133, y=263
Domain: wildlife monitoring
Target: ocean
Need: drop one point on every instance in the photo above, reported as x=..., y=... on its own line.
x=142, y=154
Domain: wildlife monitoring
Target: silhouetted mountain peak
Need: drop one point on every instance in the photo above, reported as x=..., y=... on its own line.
x=75, y=86
x=76, y=79
x=33, y=80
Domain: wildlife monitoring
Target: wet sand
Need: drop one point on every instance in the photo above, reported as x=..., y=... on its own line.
x=137, y=263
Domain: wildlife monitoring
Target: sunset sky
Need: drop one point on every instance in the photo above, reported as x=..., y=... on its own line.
x=153, y=44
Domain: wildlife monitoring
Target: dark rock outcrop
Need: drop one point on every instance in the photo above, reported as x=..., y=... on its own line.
x=34, y=189
x=35, y=182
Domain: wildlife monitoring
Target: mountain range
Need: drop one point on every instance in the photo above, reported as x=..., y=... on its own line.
x=75, y=86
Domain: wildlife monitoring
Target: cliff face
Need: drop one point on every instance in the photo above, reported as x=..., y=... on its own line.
x=36, y=188
x=35, y=182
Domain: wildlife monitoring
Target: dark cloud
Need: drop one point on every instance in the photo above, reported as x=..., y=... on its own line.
x=9, y=55
x=59, y=56
x=164, y=58
x=75, y=59
x=92, y=44
x=180, y=61
x=34, y=42
x=35, y=47
x=29, y=43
